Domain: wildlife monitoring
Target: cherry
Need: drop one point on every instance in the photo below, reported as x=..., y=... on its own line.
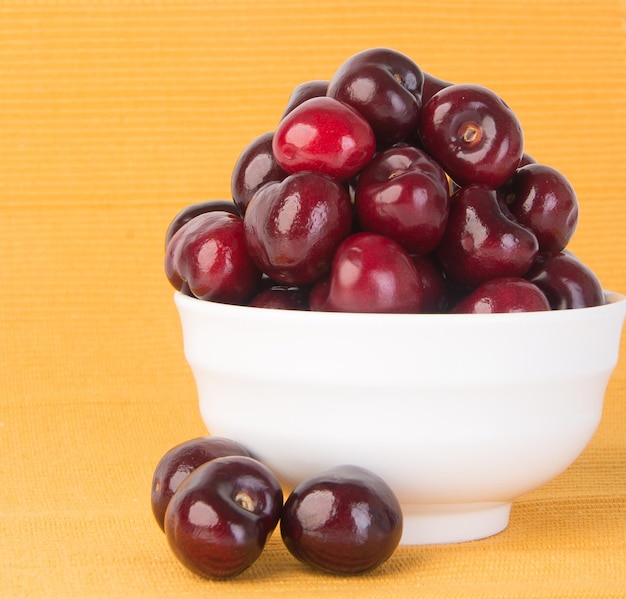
x=566, y=281
x=218, y=521
x=305, y=91
x=431, y=86
x=403, y=194
x=384, y=148
x=385, y=86
x=345, y=520
x=480, y=243
x=506, y=294
x=209, y=254
x=434, y=285
x=293, y=227
x=189, y=212
x=472, y=134
x=370, y=273
x=282, y=297
x=542, y=199
x=255, y=167
x=180, y=461
x=325, y=136
x=526, y=159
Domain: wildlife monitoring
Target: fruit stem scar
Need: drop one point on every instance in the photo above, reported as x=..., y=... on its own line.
x=245, y=501
x=470, y=132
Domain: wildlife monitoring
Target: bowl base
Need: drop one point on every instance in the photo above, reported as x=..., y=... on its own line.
x=453, y=522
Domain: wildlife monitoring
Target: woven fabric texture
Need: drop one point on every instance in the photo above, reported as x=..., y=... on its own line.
x=116, y=114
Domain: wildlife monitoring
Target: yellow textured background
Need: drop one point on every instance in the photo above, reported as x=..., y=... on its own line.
x=116, y=114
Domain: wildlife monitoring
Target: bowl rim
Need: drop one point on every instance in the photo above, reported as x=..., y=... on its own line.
x=614, y=301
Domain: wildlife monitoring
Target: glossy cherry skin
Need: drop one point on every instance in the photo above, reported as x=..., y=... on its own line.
x=282, y=297
x=403, y=194
x=193, y=210
x=209, y=253
x=503, y=295
x=541, y=198
x=305, y=91
x=218, y=521
x=255, y=167
x=472, y=134
x=293, y=227
x=346, y=520
x=566, y=281
x=434, y=285
x=431, y=86
x=480, y=243
x=526, y=159
x=385, y=86
x=180, y=461
x=370, y=273
x=325, y=136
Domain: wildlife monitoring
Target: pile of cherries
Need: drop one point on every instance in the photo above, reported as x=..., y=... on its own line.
x=218, y=506
x=387, y=189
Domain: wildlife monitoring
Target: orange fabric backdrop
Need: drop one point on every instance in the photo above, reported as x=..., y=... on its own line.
x=113, y=116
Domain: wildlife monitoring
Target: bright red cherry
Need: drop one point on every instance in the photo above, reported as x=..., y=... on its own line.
x=325, y=136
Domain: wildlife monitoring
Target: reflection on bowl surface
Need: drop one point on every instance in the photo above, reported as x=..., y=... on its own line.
x=459, y=413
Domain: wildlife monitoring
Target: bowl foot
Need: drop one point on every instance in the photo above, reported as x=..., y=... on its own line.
x=453, y=522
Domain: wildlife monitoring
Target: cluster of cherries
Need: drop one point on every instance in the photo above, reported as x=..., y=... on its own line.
x=218, y=506
x=387, y=189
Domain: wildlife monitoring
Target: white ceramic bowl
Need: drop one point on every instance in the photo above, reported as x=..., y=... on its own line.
x=460, y=414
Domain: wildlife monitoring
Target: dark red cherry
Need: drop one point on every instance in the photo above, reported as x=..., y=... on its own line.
x=189, y=212
x=370, y=273
x=434, y=285
x=385, y=86
x=282, y=297
x=431, y=86
x=403, y=194
x=305, y=91
x=473, y=135
x=566, y=281
x=218, y=521
x=255, y=167
x=503, y=295
x=346, y=520
x=180, y=461
x=480, y=242
x=293, y=227
x=542, y=199
x=209, y=253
